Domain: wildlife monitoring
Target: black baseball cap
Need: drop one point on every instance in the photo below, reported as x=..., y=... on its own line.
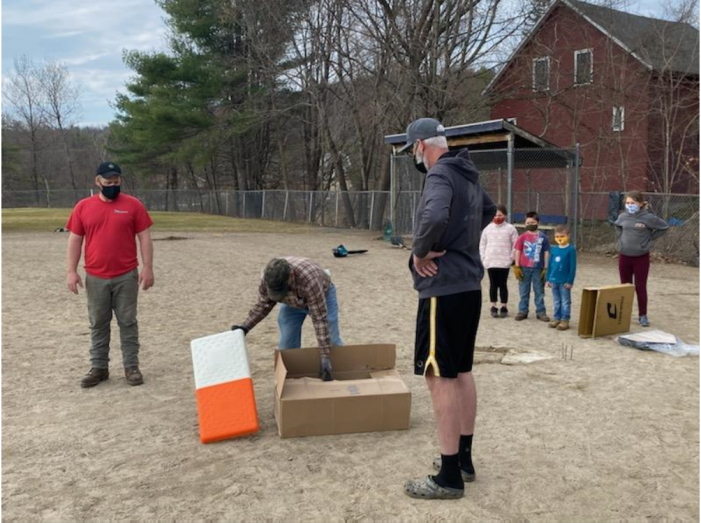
x=277, y=276
x=107, y=169
x=422, y=129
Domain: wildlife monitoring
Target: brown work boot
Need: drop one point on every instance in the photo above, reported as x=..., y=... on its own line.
x=543, y=317
x=564, y=325
x=521, y=316
x=553, y=324
x=134, y=376
x=94, y=377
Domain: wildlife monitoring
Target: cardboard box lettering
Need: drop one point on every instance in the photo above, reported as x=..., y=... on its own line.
x=366, y=395
x=606, y=310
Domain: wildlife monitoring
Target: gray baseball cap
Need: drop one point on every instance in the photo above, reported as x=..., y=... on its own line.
x=422, y=129
x=277, y=276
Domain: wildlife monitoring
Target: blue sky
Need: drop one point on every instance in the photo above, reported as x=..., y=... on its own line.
x=89, y=36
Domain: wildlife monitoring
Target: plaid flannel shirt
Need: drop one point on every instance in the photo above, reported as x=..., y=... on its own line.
x=308, y=287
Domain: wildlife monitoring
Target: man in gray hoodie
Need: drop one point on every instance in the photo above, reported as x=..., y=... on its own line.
x=447, y=271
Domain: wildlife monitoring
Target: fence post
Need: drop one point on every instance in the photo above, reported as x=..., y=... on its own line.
x=336, y=221
x=244, y=203
x=284, y=210
x=575, y=225
x=510, y=175
x=226, y=204
x=372, y=209
x=311, y=204
x=413, y=210
x=262, y=208
x=392, y=209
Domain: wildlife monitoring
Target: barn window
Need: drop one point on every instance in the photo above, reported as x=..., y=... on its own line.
x=583, y=66
x=541, y=74
x=619, y=118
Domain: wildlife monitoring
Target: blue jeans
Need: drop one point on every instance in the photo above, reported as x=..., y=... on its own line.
x=290, y=320
x=531, y=276
x=562, y=299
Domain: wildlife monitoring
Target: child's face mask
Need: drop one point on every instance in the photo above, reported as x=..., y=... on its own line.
x=562, y=240
x=532, y=227
x=632, y=208
x=499, y=219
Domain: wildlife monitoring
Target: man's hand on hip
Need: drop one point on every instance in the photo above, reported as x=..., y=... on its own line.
x=425, y=266
x=146, y=278
x=73, y=280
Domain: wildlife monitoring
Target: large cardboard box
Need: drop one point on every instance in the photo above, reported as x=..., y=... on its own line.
x=366, y=395
x=606, y=310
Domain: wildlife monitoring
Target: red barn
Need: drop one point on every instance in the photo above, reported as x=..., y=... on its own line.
x=623, y=86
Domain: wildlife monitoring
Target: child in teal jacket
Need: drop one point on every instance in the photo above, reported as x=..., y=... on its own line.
x=560, y=277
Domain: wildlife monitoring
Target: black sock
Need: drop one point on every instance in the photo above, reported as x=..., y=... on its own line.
x=449, y=475
x=465, y=454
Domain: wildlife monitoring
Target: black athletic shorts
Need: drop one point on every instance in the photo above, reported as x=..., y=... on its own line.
x=446, y=328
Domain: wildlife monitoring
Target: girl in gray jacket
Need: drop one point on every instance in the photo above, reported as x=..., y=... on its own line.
x=635, y=230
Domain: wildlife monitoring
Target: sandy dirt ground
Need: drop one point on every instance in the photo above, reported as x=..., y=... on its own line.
x=612, y=435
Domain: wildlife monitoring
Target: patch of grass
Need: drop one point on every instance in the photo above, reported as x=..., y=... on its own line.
x=48, y=220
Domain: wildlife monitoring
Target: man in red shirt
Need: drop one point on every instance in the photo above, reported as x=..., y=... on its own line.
x=110, y=222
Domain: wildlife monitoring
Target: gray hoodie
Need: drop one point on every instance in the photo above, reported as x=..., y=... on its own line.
x=452, y=213
x=634, y=232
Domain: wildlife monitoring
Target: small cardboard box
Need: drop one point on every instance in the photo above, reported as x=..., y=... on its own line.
x=606, y=310
x=366, y=395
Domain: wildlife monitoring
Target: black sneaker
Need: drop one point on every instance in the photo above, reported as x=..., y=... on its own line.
x=504, y=312
x=495, y=313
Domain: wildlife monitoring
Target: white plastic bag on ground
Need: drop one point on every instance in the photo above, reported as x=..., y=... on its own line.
x=659, y=341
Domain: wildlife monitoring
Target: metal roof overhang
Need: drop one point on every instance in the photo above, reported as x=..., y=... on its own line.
x=491, y=140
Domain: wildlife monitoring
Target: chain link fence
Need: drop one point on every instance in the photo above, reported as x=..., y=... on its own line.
x=353, y=209
x=681, y=242
x=546, y=190
x=543, y=180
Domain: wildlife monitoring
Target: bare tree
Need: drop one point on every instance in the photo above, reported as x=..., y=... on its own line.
x=27, y=104
x=61, y=108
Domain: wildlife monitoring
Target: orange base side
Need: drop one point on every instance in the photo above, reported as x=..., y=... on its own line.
x=227, y=410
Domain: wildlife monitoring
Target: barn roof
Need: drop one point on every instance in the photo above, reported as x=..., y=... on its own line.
x=659, y=45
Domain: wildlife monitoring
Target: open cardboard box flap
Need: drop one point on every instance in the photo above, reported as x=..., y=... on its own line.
x=367, y=393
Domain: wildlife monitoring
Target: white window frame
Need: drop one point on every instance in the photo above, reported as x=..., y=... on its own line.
x=622, y=111
x=589, y=51
x=545, y=59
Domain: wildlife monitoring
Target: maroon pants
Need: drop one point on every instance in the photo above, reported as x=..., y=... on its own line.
x=638, y=266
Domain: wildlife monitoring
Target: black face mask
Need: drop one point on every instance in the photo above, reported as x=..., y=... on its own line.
x=532, y=227
x=110, y=191
x=420, y=165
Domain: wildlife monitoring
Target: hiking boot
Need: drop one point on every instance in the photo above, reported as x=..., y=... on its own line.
x=644, y=322
x=542, y=317
x=504, y=312
x=134, y=376
x=521, y=316
x=494, y=312
x=94, y=377
x=564, y=325
x=553, y=324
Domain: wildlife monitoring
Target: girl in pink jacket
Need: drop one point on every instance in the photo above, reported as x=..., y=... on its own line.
x=497, y=253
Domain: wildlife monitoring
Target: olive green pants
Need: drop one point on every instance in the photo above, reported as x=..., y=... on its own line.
x=104, y=296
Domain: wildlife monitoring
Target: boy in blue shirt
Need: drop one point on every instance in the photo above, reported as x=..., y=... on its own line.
x=560, y=277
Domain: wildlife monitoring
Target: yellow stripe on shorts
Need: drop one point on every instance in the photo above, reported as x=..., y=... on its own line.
x=432, y=347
